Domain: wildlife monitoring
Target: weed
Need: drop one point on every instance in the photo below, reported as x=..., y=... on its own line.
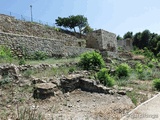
x=5, y=54
x=28, y=113
x=27, y=73
x=39, y=55
x=133, y=96
x=156, y=84
x=22, y=61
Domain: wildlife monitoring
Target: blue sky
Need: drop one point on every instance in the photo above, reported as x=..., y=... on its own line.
x=117, y=16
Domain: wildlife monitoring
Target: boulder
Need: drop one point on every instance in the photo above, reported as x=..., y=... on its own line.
x=37, y=80
x=10, y=70
x=44, y=90
x=88, y=85
x=71, y=82
x=91, y=86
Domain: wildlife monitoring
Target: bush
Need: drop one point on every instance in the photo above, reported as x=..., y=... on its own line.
x=139, y=68
x=91, y=61
x=143, y=71
x=22, y=61
x=105, y=78
x=5, y=53
x=123, y=70
x=156, y=84
x=39, y=55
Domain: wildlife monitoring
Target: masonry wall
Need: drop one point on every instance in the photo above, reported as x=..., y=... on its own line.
x=109, y=41
x=125, y=44
x=9, y=24
x=52, y=47
x=102, y=40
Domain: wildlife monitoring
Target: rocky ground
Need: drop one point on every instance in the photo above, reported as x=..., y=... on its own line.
x=75, y=96
x=59, y=99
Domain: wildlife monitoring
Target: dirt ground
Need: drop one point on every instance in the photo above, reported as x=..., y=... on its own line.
x=77, y=105
x=81, y=105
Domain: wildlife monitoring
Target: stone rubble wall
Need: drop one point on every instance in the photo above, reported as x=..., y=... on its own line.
x=9, y=24
x=125, y=44
x=53, y=47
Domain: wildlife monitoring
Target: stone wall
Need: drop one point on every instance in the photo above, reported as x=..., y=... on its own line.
x=125, y=44
x=102, y=40
x=52, y=47
x=9, y=24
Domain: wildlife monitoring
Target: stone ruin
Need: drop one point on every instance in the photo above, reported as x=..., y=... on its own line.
x=102, y=40
x=35, y=37
x=125, y=44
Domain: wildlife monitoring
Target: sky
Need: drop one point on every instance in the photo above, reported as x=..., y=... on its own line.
x=116, y=16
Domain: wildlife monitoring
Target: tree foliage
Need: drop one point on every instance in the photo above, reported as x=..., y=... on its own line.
x=72, y=22
x=119, y=37
x=87, y=29
x=147, y=41
x=128, y=35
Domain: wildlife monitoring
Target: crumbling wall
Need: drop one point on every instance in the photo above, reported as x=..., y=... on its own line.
x=52, y=47
x=9, y=24
x=103, y=41
x=125, y=44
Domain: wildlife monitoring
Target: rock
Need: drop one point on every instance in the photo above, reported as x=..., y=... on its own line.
x=0, y=77
x=108, y=60
x=10, y=70
x=122, y=92
x=112, y=91
x=91, y=86
x=55, y=81
x=37, y=80
x=71, y=82
x=44, y=90
x=88, y=85
x=127, y=89
x=103, y=89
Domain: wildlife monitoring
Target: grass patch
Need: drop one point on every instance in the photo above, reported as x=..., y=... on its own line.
x=56, y=72
x=133, y=96
x=52, y=61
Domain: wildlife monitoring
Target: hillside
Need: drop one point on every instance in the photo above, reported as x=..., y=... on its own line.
x=9, y=24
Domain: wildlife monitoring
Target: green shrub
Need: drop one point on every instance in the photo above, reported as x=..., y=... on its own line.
x=139, y=68
x=71, y=70
x=156, y=84
x=39, y=55
x=158, y=56
x=5, y=53
x=105, y=78
x=143, y=71
x=123, y=70
x=22, y=61
x=150, y=65
x=91, y=61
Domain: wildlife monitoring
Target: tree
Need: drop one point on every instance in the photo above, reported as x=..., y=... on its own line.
x=87, y=29
x=145, y=37
x=119, y=37
x=128, y=35
x=137, y=39
x=72, y=22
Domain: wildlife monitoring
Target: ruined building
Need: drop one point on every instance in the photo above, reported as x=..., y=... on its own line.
x=103, y=41
x=125, y=44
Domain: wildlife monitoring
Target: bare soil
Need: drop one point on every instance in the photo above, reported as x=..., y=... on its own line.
x=77, y=105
